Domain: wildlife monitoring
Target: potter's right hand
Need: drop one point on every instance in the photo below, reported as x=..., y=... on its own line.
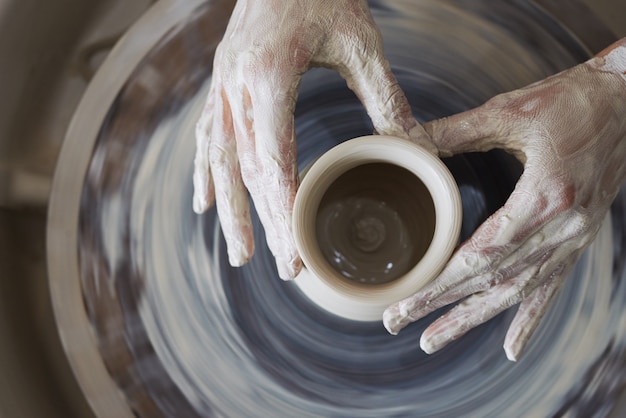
x=245, y=136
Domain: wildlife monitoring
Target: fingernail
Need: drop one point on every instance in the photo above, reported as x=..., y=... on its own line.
x=199, y=204
x=392, y=319
x=511, y=354
x=513, y=350
x=288, y=269
x=238, y=253
x=427, y=344
x=200, y=200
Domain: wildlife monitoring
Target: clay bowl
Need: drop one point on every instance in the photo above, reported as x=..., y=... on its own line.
x=375, y=219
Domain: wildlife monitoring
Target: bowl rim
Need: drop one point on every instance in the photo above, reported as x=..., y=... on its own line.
x=320, y=282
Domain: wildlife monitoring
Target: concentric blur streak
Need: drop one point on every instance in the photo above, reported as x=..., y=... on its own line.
x=181, y=333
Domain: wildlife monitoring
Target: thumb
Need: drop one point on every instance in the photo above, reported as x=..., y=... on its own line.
x=474, y=130
x=385, y=102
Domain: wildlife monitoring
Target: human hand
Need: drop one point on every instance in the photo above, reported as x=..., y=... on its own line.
x=245, y=136
x=569, y=131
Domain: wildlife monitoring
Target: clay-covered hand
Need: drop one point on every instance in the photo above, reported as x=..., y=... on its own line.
x=569, y=131
x=245, y=136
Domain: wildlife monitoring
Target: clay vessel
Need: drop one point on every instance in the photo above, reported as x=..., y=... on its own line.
x=375, y=219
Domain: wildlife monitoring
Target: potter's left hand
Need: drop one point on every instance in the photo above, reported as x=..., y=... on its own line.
x=245, y=136
x=569, y=131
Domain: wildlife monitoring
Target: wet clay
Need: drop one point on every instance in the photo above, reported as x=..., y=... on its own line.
x=375, y=222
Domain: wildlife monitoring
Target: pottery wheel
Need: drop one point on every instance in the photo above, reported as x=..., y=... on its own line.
x=156, y=323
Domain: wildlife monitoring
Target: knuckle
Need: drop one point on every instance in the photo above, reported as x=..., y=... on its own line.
x=565, y=195
x=483, y=258
x=513, y=298
x=218, y=157
x=248, y=174
x=250, y=65
x=513, y=295
x=256, y=63
x=583, y=222
x=583, y=227
x=499, y=276
x=580, y=223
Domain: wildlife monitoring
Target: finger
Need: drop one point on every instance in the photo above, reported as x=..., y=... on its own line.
x=534, y=251
x=481, y=307
x=231, y=196
x=476, y=130
x=533, y=308
x=269, y=168
x=372, y=80
x=475, y=261
x=474, y=311
x=556, y=241
x=204, y=193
